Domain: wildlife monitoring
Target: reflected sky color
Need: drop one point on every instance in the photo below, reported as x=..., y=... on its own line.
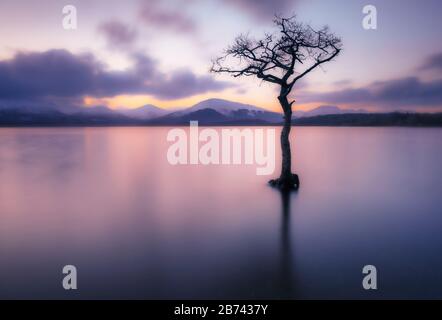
x=107, y=201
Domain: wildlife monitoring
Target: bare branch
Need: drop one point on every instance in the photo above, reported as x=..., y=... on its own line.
x=283, y=57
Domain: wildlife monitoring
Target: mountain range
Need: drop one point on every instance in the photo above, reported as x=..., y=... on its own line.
x=224, y=110
x=207, y=112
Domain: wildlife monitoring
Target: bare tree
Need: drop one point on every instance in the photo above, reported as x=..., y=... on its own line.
x=281, y=58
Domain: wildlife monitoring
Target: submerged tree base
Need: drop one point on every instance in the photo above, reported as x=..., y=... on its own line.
x=286, y=183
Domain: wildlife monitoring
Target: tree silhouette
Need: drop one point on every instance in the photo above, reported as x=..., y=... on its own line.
x=281, y=58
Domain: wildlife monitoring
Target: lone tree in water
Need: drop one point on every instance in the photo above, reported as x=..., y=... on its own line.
x=281, y=58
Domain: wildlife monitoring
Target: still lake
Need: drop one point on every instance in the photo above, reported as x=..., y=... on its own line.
x=107, y=201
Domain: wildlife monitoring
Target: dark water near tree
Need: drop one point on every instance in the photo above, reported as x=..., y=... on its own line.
x=107, y=201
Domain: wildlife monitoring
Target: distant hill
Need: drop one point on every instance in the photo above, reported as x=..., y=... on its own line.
x=11, y=117
x=325, y=110
x=373, y=119
x=144, y=113
x=224, y=107
x=208, y=112
x=217, y=111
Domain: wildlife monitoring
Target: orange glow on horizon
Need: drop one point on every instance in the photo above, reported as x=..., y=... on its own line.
x=136, y=101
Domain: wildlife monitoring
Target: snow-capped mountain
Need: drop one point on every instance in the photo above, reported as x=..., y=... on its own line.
x=146, y=112
x=226, y=109
x=209, y=112
x=222, y=110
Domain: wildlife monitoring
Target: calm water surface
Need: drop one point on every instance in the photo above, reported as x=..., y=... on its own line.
x=107, y=201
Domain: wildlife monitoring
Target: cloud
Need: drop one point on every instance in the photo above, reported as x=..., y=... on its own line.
x=433, y=62
x=263, y=9
x=342, y=83
x=118, y=34
x=61, y=74
x=398, y=93
x=153, y=14
x=184, y=83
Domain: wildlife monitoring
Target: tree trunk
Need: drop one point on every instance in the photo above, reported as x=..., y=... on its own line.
x=287, y=179
x=286, y=169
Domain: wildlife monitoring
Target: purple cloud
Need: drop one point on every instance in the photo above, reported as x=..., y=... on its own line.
x=152, y=13
x=391, y=94
x=398, y=93
x=433, y=62
x=264, y=9
x=61, y=74
x=342, y=83
x=118, y=34
x=189, y=84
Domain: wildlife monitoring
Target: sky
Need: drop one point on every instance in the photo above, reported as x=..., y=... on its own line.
x=137, y=52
